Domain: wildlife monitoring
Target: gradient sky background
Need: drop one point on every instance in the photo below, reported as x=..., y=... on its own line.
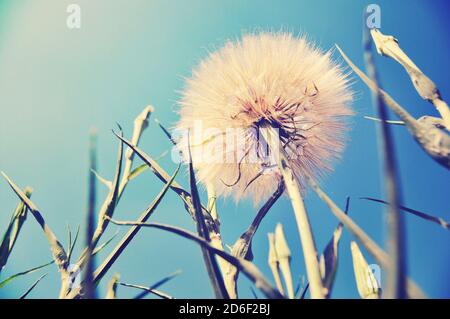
x=56, y=83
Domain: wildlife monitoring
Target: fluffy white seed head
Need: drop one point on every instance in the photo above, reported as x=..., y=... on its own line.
x=267, y=79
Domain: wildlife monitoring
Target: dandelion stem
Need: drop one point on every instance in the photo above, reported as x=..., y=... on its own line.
x=301, y=215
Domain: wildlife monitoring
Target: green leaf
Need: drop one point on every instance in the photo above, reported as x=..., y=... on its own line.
x=26, y=293
x=137, y=171
x=72, y=246
x=23, y=273
x=12, y=232
x=102, y=246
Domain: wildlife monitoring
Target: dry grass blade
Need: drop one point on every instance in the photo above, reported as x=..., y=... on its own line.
x=58, y=252
x=164, y=177
x=211, y=264
x=246, y=267
x=158, y=284
x=396, y=283
x=112, y=257
x=148, y=290
x=100, y=247
x=242, y=247
x=420, y=214
x=379, y=254
x=435, y=142
x=111, y=292
x=12, y=232
x=166, y=132
x=72, y=245
x=23, y=273
x=26, y=293
x=389, y=46
x=367, y=284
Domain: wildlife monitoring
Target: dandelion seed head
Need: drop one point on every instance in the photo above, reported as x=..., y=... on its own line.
x=266, y=79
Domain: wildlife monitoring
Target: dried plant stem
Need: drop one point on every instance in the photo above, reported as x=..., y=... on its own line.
x=248, y=268
x=140, y=124
x=389, y=46
x=57, y=250
x=379, y=254
x=212, y=267
x=216, y=241
x=128, y=237
x=301, y=215
x=163, y=176
x=242, y=246
x=434, y=141
x=396, y=284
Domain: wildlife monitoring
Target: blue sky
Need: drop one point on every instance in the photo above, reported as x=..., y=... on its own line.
x=57, y=83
